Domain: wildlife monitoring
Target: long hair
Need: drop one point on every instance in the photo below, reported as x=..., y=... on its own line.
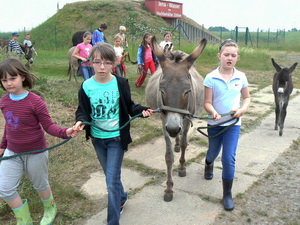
x=15, y=67
x=144, y=43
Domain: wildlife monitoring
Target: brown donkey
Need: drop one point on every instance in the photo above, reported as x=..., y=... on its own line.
x=176, y=88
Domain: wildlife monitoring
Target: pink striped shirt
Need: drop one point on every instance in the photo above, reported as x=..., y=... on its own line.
x=26, y=123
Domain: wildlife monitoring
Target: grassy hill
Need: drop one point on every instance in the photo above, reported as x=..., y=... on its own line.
x=57, y=31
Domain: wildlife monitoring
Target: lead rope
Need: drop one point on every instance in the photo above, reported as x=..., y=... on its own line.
x=122, y=127
x=69, y=138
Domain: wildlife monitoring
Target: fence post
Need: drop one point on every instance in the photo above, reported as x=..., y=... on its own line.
x=246, y=38
x=55, y=36
x=179, y=33
x=236, y=34
x=268, y=36
x=257, y=37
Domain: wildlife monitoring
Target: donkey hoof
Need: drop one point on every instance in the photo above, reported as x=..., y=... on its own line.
x=168, y=197
x=182, y=173
x=177, y=149
x=280, y=133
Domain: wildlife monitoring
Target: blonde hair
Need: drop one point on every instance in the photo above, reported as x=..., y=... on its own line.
x=122, y=28
x=228, y=43
x=117, y=36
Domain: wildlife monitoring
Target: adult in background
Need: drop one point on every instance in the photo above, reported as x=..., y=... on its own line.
x=98, y=34
x=14, y=46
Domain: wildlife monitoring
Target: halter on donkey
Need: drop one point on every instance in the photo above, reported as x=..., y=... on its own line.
x=176, y=84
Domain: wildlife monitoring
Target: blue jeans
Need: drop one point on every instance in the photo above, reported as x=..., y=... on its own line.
x=87, y=72
x=110, y=155
x=228, y=140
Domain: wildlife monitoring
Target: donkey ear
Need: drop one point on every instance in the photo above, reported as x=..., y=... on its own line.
x=170, y=48
x=293, y=67
x=196, y=53
x=157, y=51
x=166, y=48
x=277, y=67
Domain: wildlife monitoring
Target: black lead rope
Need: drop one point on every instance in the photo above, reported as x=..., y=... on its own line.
x=199, y=129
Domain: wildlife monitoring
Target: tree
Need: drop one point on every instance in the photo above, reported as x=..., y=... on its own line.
x=217, y=29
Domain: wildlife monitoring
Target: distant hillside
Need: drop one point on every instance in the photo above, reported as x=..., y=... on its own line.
x=57, y=31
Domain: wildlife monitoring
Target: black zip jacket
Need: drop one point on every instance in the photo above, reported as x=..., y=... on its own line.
x=127, y=107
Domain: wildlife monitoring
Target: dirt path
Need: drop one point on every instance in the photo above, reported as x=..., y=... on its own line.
x=274, y=199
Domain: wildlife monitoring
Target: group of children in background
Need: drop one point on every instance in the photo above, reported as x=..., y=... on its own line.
x=146, y=59
x=105, y=100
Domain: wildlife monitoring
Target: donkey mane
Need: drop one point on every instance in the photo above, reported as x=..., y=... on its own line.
x=176, y=56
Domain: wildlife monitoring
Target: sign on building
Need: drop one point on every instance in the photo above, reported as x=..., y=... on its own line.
x=164, y=8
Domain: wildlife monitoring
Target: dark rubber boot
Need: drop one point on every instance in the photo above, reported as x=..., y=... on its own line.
x=208, y=171
x=227, y=196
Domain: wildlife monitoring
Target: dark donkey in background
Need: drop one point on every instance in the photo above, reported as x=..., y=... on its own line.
x=282, y=89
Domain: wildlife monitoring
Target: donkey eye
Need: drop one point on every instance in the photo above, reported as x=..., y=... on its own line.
x=186, y=93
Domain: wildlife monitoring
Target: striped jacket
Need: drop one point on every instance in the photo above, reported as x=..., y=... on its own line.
x=14, y=46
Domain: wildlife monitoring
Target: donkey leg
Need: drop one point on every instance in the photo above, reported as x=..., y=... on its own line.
x=75, y=74
x=282, y=118
x=169, y=157
x=70, y=71
x=182, y=169
x=277, y=111
x=183, y=146
x=177, y=147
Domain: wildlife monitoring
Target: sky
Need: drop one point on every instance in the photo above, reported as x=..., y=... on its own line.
x=254, y=14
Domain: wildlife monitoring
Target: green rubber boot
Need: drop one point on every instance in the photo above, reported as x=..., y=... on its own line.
x=23, y=215
x=50, y=211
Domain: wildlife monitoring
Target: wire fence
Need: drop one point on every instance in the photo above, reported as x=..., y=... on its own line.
x=260, y=38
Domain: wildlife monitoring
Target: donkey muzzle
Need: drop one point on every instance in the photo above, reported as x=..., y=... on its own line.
x=280, y=90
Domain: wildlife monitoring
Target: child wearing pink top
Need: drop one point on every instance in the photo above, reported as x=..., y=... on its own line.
x=82, y=53
x=146, y=59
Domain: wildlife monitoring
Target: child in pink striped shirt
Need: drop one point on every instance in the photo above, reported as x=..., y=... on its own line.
x=27, y=118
